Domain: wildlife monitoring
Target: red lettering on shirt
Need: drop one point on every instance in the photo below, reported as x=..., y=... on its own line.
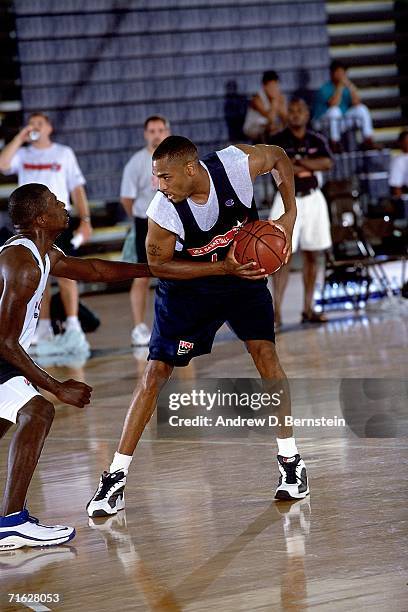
x=54, y=166
x=221, y=240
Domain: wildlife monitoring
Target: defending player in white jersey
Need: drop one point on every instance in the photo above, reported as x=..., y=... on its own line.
x=25, y=263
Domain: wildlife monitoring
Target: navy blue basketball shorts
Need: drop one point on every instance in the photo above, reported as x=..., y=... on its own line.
x=189, y=313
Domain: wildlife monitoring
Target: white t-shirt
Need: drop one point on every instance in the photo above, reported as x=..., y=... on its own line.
x=56, y=167
x=255, y=123
x=139, y=183
x=164, y=213
x=398, y=176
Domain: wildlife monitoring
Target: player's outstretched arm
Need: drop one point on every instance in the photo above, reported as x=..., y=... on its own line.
x=94, y=270
x=160, y=247
x=21, y=276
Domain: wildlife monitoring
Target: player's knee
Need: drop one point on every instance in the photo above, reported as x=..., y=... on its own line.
x=262, y=351
x=45, y=413
x=39, y=412
x=155, y=376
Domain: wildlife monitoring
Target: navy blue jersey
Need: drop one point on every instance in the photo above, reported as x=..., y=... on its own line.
x=213, y=245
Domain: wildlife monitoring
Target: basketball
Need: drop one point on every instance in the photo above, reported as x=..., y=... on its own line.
x=261, y=242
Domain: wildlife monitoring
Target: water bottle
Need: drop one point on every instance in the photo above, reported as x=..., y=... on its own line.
x=34, y=135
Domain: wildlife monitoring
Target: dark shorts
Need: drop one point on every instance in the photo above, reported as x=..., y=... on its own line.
x=63, y=241
x=189, y=313
x=140, y=239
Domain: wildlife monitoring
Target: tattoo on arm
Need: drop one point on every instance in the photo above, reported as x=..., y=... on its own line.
x=154, y=250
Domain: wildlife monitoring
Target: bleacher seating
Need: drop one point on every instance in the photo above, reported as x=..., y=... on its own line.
x=99, y=68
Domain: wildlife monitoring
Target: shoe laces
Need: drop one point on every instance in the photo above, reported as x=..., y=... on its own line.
x=32, y=519
x=290, y=470
x=108, y=481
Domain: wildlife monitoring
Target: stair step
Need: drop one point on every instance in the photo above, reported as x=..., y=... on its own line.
x=360, y=59
x=335, y=8
x=365, y=38
x=10, y=106
x=380, y=80
x=386, y=113
x=6, y=189
x=387, y=134
x=390, y=123
x=373, y=50
x=372, y=71
x=368, y=93
x=365, y=16
x=384, y=103
x=382, y=27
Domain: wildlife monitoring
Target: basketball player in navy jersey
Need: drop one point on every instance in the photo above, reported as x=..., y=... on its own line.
x=192, y=223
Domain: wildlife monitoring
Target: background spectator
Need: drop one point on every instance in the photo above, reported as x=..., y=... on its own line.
x=398, y=178
x=309, y=153
x=267, y=110
x=137, y=190
x=339, y=105
x=54, y=165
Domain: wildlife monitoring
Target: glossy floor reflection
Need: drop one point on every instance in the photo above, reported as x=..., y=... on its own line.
x=201, y=531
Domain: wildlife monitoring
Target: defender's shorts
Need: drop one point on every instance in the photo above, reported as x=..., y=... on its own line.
x=14, y=394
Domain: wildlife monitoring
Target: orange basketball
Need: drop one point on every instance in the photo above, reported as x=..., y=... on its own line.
x=261, y=242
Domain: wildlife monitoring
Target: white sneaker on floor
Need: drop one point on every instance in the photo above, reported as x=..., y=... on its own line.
x=47, y=348
x=141, y=335
x=74, y=341
x=109, y=497
x=293, y=481
x=21, y=529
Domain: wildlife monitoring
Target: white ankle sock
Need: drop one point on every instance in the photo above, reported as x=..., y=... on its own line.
x=120, y=462
x=44, y=327
x=286, y=447
x=72, y=323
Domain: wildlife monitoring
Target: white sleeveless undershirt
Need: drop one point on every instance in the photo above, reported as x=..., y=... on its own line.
x=34, y=305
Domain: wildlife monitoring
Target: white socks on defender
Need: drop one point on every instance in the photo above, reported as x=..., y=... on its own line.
x=72, y=323
x=287, y=447
x=120, y=462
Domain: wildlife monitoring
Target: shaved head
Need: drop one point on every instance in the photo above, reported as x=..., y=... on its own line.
x=176, y=149
x=28, y=202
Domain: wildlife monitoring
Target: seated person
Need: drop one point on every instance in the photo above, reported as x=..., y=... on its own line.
x=267, y=111
x=398, y=177
x=338, y=104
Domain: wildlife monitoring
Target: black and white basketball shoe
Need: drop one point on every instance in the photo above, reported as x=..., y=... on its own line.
x=109, y=497
x=293, y=482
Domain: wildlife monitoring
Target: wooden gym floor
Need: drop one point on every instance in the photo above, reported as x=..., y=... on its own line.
x=201, y=530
